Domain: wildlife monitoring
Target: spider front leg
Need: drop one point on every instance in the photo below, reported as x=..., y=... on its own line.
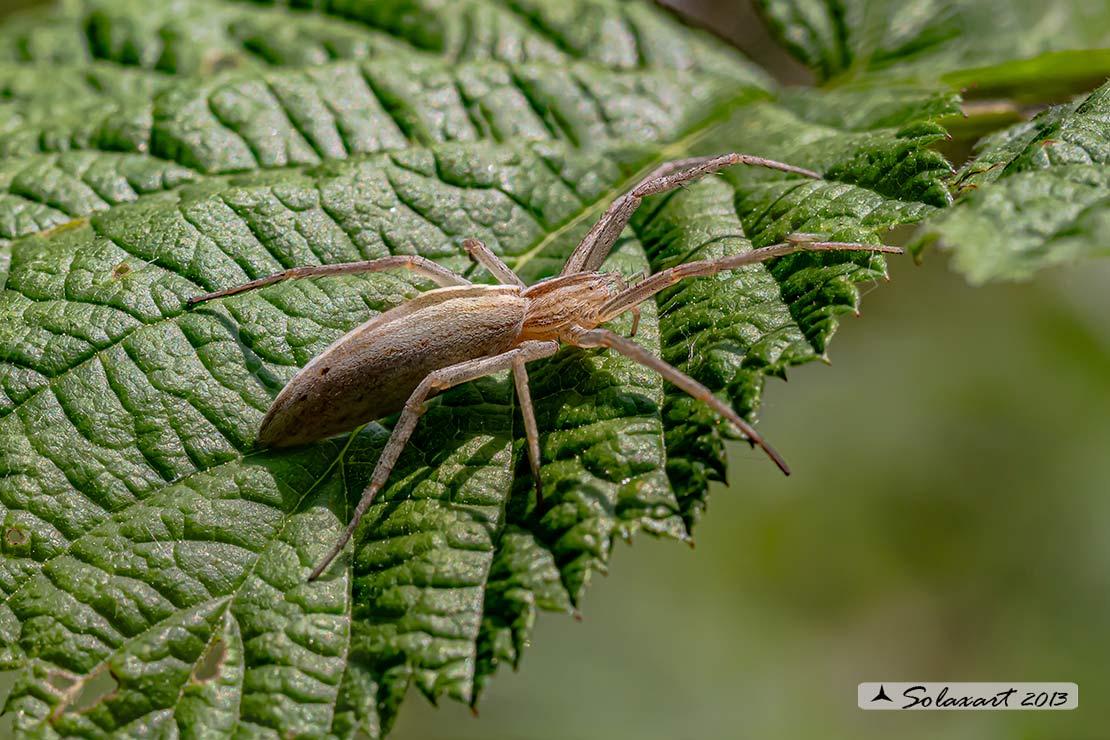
x=438, y=274
x=630, y=299
x=595, y=247
x=436, y=381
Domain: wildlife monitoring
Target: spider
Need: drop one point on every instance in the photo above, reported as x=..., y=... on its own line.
x=463, y=331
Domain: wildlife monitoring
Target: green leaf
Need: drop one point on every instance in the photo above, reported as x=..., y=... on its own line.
x=155, y=561
x=1022, y=48
x=1037, y=194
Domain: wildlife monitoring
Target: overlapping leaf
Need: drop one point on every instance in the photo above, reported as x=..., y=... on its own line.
x=1023, y=48
x=1037, y=194
x=151, y=550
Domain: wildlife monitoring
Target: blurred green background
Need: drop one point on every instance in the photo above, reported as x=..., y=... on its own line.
x=946, y=521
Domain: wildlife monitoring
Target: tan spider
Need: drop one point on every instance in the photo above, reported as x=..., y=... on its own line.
x=463, y=331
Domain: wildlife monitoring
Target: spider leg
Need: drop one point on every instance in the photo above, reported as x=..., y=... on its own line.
x=484, y=256
x=604, y=338
x=531, y=429
x=596, y=245
x=420, y=265
x=640, y=292
x=435, y=381
x=635, y=309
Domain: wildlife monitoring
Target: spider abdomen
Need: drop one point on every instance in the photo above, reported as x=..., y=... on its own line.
x=371, y=370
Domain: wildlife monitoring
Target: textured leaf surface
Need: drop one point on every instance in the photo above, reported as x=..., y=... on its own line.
x=154, y=578
x=1037, y=194
x=995, y=46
